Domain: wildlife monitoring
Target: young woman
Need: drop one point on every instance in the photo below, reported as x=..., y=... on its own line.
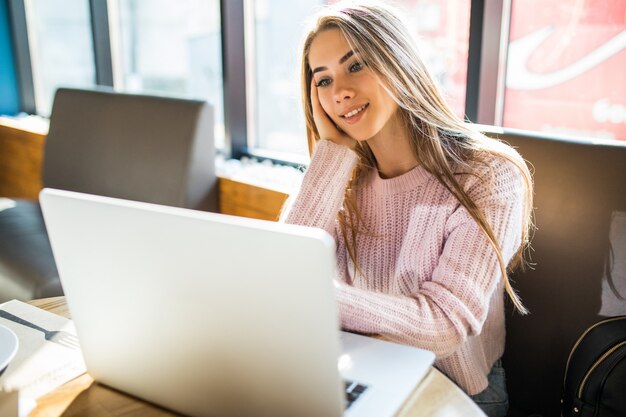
x=427, y=213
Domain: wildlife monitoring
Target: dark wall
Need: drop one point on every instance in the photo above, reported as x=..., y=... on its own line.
x=580, y=196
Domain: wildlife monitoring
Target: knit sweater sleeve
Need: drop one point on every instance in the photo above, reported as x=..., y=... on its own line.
x=323, y=187
x=452, y=304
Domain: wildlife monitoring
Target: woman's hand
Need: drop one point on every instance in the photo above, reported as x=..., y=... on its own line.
x=325, y=126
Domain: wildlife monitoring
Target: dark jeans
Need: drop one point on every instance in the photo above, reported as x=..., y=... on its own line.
x=494, y=400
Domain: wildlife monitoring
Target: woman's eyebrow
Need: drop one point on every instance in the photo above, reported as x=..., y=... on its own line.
x=346, y=56
x=341, y=61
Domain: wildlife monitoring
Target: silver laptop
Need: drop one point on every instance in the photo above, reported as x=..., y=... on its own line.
x=215, y=315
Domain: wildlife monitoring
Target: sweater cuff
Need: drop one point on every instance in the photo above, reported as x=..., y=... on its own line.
x=323, y=187
x=338, y=158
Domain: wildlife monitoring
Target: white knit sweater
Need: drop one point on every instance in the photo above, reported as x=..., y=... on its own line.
x=428, y=276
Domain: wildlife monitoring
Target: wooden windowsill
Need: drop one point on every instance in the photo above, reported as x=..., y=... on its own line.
x=21, y=160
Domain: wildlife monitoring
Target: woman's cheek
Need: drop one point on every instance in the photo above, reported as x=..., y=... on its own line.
x=326, y=105
x=324, y=101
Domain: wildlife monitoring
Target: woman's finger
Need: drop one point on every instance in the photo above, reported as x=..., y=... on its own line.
x=319, y=115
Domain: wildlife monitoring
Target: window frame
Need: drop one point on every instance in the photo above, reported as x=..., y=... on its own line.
x=101, y=38
x=21, y=48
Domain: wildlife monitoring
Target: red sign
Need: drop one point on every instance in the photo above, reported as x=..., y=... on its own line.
x=566, y=68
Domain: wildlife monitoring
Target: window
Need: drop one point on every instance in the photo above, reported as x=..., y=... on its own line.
x=561, y=73
x=565, y=72
x=8, y=81
x=59, y=33
x=169, y=47
x=276, y=119
x=441, y=29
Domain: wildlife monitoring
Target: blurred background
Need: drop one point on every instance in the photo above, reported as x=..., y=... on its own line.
x=551, y=66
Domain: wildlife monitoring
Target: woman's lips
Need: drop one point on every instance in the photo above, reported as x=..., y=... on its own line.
x=355, y=115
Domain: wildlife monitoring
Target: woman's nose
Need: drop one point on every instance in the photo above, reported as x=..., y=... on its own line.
x=342, y=91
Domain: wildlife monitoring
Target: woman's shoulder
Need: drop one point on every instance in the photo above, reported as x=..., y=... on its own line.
x=500, y=159
x=499, y=172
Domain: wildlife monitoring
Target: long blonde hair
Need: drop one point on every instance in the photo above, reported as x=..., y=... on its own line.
x=442, y=143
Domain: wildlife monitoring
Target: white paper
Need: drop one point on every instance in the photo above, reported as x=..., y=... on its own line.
x=40, y=365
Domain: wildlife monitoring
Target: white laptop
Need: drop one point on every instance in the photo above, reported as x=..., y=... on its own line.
x=215, y=315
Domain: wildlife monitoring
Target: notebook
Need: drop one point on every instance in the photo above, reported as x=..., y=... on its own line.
x=215, y=315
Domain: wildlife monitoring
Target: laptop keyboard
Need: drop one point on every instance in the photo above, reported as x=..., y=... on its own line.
x=353, y=392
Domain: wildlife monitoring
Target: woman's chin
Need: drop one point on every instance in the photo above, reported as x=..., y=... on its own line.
x=360, y=136
x=363, y=135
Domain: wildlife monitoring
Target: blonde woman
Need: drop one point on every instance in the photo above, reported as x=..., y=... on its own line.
x=427, y=213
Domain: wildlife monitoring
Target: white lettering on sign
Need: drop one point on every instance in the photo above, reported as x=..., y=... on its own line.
x=604, y=111
x=521, y=78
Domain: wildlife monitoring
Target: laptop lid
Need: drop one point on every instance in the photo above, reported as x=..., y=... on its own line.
x=202, y=313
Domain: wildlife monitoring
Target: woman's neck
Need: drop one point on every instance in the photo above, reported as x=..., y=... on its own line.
x=392, y=149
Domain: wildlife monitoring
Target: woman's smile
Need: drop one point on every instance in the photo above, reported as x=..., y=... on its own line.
x=354, y=115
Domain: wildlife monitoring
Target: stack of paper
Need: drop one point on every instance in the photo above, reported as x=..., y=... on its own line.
x=48, y=353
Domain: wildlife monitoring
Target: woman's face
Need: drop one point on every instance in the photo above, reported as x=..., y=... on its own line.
x=348, y=90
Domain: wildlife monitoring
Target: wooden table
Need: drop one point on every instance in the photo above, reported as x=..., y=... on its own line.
x=435, y=396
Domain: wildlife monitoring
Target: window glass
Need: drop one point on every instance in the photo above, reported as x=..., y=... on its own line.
x=441, y=28
x=276, y=110
x=170, y=47
x=565, y=71
x=61, y=49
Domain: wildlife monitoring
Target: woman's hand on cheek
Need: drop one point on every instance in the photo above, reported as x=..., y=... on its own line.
x=325, y=126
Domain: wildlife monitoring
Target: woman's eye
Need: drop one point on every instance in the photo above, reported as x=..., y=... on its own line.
x=323, y=82
x=356, y=67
